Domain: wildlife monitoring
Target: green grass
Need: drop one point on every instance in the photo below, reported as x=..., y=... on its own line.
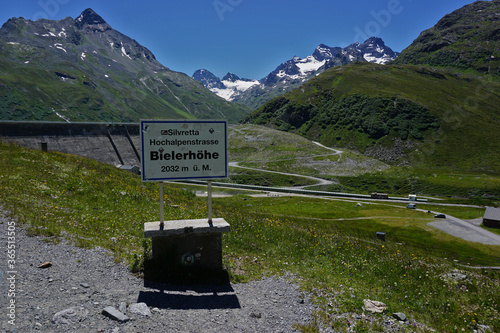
x=34, y=92
x=56, y=194
x=339, y=262
x=476, y=188
x=399, y=223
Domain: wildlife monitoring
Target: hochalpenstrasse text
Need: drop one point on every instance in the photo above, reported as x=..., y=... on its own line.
x=178, y=142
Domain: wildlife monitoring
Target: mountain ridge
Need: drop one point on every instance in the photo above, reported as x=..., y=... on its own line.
x=83, y=70
x=296, y=71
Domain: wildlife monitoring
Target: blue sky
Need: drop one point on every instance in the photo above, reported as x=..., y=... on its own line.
x=247, y=37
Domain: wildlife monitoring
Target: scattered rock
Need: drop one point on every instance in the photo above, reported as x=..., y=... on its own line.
x=71, y=316
x=483, y=328
x=399, y=316
x=256, y=315
x=454, y=276
x=85, y=285
x=122, y=307
x=140, y=309
x=114, y=314
x=374, y=306
x=45, y=265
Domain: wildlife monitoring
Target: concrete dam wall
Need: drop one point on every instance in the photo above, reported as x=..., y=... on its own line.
x=117, y=144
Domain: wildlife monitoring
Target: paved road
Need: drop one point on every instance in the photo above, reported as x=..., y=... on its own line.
x=466, y=230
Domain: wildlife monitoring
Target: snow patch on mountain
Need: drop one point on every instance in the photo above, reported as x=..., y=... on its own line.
x=309, y=64
x=240, y=85
x=234, y=87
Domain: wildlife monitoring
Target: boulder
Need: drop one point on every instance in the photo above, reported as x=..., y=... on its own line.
x=71, y=316
x=140, y=309
x=374, y=306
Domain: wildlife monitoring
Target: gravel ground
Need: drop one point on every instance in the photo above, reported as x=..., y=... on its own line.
x=85, y=282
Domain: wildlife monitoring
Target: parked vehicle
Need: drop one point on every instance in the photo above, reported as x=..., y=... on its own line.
x=440, y=216
x=412, y=206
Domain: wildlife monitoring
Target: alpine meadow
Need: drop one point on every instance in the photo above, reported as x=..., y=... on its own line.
x=366, y=178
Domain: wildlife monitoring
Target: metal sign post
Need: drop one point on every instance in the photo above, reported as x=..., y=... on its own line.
x=209, y=194
x=162, y=219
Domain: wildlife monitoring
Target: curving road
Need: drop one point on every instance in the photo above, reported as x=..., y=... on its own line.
x=320, y=181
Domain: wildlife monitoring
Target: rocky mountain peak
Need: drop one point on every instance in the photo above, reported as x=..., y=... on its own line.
x=88, y=16
x=209, y=80
x=374, y=40
x=91, y=19
x=230, y=77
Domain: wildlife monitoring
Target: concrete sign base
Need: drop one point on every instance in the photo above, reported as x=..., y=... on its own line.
x=185, y=248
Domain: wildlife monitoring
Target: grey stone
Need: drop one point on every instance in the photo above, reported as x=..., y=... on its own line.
x=256, y=315
x=71, y=316
x=374, y=306
x=123, y=307
x=455, y=276
x=399, y=316
x=140, y=309
x=114, y=314
x=85, y=285
x=483, y=328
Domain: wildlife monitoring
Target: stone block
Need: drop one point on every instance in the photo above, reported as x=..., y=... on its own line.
x=184, y=247
x=114, y=314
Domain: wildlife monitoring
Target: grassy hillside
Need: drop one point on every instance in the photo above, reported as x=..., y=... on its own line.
x=467, y=40
x=329, y=245
x=404, y=115
x=38, y=93
x=83, y=70
x=269, y=149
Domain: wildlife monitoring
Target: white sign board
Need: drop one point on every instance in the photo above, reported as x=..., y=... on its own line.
x=183, y=149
